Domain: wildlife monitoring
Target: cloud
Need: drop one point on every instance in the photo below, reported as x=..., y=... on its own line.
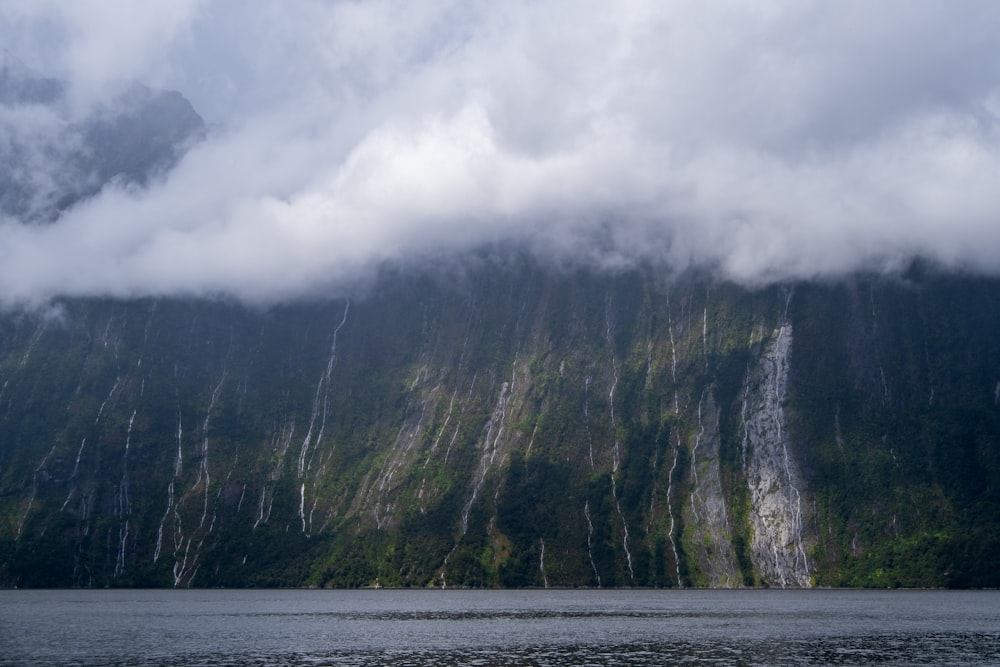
x=95, y=43
x=767, y=140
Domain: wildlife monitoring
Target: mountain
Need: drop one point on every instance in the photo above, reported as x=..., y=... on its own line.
x=55, y=157
x=490, y=421
x=512, y=426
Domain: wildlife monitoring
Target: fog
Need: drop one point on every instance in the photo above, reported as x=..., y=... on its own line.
x=765, y=140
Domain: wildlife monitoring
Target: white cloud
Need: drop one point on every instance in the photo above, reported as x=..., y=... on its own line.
x=97, y=43
x=768, y=139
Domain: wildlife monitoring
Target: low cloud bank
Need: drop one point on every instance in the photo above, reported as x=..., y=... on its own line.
x=767, y=141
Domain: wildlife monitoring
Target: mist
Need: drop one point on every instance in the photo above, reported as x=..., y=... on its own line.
x=766, y=141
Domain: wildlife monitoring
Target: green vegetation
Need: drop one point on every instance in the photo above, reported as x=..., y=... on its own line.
x=502, y=426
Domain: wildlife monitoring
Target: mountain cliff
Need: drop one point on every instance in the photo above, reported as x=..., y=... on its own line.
x=56, y=155
x=492, y=421
x=509, y=424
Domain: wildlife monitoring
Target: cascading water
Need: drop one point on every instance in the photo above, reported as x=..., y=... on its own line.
x=778, y=548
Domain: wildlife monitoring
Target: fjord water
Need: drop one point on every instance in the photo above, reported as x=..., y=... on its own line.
x=508, y=627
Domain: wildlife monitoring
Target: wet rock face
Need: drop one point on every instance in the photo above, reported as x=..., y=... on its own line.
x=778, y=546
x=521, y=427
x=707, y=513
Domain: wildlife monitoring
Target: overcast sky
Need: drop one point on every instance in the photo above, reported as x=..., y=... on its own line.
x=768, y=139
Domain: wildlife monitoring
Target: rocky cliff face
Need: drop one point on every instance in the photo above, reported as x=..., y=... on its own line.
x=511, y=426
x=779, y=542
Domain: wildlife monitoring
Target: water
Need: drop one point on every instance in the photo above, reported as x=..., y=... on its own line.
x=493, y=628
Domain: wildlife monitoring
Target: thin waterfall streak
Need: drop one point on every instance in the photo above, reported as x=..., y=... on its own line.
x=302, y=505
x=126, y=500
x=72, y=477
x=322, y=393
x=104, y=403
x=163, y=520
x=616, y=447
x=590, y=538
x=243, y=493
x=494, y=431
x=670, y=511
x=204, y=470
x=704, y=333
x=541, y=563
x=260, y=507
x=179, y=460
x=34, y=493
x=625, y=536
x=673, y=351
x=697, y=442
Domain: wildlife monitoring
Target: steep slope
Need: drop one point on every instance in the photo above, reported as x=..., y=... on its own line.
x=897, y=403
x=508, y=424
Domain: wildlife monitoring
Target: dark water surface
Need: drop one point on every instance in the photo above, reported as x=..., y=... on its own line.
x=561, y=627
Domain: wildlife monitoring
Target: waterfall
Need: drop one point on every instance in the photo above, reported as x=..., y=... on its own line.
x=707, y=515
x=34, y=492
x=670, y=512
x=590, y=537
x=320, y=398
x=778, y=548
x=616, y=443
x=490, y=443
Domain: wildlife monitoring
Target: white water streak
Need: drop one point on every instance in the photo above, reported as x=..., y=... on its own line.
x=444, y=426
x=625, y=537
x=704, y=334
x=616, y=447
x=320, y=399
x=260, y=507
x=203, y=471
x=72, y=477
x=695, y=500
x=179, y=460
x=320, y=410
x=777, y=545
x=281, y=442
x=126, y=500
x=586, y=413
x=541, y=563
x=34, y=341
x=670, y=512
x=494, y=431
x=673, y=349
x=163, y=520
x=302, y=505
x=34, y=492
x=124, y=505
x=122, y=541
x=590, y=538
x=108, y=398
